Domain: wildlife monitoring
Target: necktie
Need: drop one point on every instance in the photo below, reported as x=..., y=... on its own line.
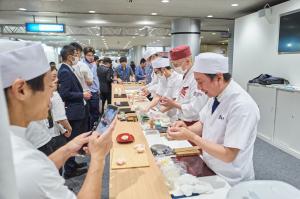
x=215, y=105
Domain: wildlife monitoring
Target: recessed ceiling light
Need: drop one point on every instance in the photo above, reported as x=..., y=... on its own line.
x=97, y=34
x=213, y=33
x=22, y=9
x=96, y=21
x=145, y=23
x=223, y=43
x=133, y=37
x=92, y=11
x=165, y=1
x=210, y=16
x=234, y=5
x=153, y=13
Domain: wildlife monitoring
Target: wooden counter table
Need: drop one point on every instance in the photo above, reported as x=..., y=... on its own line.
x=147, y=182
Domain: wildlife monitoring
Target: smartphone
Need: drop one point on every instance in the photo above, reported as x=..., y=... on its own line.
x=107, y=118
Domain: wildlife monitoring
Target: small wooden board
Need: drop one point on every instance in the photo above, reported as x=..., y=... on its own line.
x=131, y=156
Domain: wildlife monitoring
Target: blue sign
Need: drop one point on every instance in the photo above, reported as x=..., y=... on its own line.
x=45, y=27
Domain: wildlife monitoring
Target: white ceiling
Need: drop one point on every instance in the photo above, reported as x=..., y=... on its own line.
x=124, y=14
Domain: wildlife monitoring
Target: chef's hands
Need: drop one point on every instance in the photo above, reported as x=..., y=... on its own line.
x=179, y=124
x=145, y=91
x=167, y=102
x=180, y=133
x=146, y=110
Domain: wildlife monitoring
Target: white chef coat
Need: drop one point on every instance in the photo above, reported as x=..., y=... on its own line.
x=233, y=124
x=36, y=174
x=83, y=73
x=38, y=134
x=191, y=99
x=170, y=87
x=58, y=113
x=153, y=85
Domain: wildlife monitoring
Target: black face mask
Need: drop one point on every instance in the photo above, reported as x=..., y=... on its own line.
x=88, y=61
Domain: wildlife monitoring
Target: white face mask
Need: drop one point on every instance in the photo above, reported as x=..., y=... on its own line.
x=180, y=71
x=161, y=77
x=75, y=61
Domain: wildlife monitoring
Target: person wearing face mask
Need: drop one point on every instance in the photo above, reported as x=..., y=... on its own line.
x=94, y=87
x=169, y=84
x=82, y=70
x=74, y=98
x=227, y=128
x=85, y=77
x=190, y=100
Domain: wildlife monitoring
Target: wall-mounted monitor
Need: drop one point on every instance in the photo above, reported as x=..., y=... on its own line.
x=45, y=27
x=289, y=33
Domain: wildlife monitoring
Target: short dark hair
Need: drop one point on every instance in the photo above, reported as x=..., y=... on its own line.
x=52, y=63
x=107, y=60
x=143, y=61
x=96, y=58
x=88, y=49
x=36, y=84
x=52, y=68
x=76, y=45
x=226, y=76
x=123, y=59
x=66, y=51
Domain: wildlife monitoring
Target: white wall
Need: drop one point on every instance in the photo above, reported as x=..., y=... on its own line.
x=256, y=44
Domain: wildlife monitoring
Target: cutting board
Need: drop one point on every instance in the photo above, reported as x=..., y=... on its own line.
x=132, y=157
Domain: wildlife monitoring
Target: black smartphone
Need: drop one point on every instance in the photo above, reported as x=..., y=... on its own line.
x=107, y=118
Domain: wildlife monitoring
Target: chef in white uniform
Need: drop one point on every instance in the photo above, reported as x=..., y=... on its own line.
x=28, y=86
x=227, y=128
x=169, y=84
x=152, y=86
x=190, y=100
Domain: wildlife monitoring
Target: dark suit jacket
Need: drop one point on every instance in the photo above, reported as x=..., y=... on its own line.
x=71, y=93
x=105, y=76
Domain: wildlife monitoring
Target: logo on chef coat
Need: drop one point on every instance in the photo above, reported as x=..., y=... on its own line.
x=197, y=94
x=221, y=117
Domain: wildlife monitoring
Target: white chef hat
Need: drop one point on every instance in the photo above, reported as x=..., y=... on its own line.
x=20, y=59
x=210, y=63
x=149, y=53
x=160, y=62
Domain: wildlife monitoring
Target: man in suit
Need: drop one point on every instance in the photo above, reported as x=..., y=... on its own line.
x=105, y=76
x=72, y=94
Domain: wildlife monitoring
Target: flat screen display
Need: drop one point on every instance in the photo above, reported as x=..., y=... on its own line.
x=289, y=33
